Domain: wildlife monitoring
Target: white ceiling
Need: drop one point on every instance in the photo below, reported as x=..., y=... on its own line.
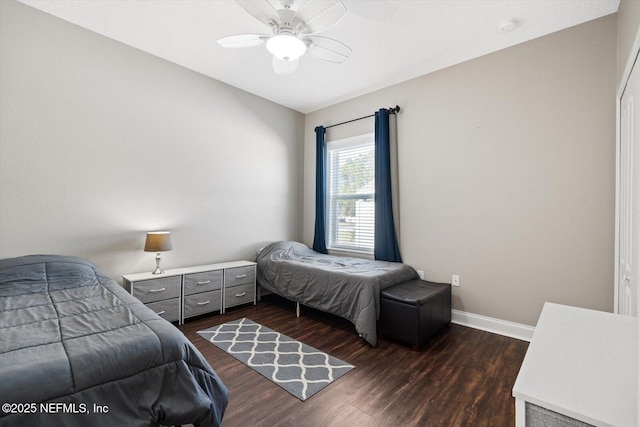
x=392, y=40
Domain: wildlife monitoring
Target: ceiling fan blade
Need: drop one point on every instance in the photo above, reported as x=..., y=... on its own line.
x=319, y=15
x=243, y=40
x=327, y=49
x=285, y=67
x=261, y=10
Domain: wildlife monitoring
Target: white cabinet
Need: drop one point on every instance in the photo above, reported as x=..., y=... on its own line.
x=581, y=365
x=181, y=293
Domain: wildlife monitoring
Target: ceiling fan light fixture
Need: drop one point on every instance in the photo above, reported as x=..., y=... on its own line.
x=283, y=68
x=286, y=47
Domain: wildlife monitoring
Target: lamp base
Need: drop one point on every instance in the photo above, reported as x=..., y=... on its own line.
x=157, y=270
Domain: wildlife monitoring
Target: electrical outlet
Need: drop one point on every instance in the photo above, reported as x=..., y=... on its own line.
x=420, y=274
x=455, y=280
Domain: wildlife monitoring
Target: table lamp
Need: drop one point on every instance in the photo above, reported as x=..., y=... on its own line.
x=158, y=241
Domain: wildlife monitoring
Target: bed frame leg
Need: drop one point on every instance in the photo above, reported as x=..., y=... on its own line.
x=297, y=309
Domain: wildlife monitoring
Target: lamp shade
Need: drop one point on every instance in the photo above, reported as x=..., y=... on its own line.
x=158, y=241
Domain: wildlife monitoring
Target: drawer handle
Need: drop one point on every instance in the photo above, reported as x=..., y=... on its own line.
x=242, y=276
x=160, y=313
x=206, y=282
x=204, y=303
x=241, y=295
x=157, y=290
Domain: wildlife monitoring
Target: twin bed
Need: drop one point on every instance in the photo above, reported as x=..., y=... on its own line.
x=76, y=349
x=344, y=286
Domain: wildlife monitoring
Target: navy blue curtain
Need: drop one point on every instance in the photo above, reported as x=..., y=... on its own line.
x=319, y=235
x=385, y=241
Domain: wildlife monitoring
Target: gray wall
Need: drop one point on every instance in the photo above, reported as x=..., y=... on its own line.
x=507, y=172
x=100, y=142
x=507, y=161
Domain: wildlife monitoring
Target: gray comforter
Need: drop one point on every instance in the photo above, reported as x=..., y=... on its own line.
x=76, y=350
x=344, y=286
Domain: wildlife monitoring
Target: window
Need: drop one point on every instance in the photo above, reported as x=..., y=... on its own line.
x=351, y=193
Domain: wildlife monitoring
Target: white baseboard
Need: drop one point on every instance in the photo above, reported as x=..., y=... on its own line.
x=489, y=324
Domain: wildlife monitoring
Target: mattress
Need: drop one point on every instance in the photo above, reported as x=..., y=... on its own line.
x=76, y=349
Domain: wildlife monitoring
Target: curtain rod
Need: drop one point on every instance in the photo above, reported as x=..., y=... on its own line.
x=392, y=110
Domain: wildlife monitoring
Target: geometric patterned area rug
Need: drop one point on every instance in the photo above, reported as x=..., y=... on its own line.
x=296, y=367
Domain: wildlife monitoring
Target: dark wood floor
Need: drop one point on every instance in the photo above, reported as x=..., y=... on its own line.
x=463, y=377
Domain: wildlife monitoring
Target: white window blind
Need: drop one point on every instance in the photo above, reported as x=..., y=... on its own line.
x=351, y=193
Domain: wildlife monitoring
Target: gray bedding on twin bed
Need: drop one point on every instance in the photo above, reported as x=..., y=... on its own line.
x=344, y=286
x=71, y=335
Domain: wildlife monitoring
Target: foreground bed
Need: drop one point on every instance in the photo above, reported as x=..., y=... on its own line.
x=344, y=286
x=76, y=349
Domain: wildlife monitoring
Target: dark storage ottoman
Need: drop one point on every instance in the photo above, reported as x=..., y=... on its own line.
x=414, y=311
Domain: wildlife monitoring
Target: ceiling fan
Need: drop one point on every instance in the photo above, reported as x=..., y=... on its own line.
x=293, y=31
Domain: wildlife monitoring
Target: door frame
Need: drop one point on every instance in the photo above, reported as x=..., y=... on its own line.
x=631, y=61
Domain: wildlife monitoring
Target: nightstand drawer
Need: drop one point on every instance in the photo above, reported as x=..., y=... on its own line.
x=157, y=289
x=168, y=309
x=202, y=282
x=204, y=302
x=239, y=276
x=239, y=295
